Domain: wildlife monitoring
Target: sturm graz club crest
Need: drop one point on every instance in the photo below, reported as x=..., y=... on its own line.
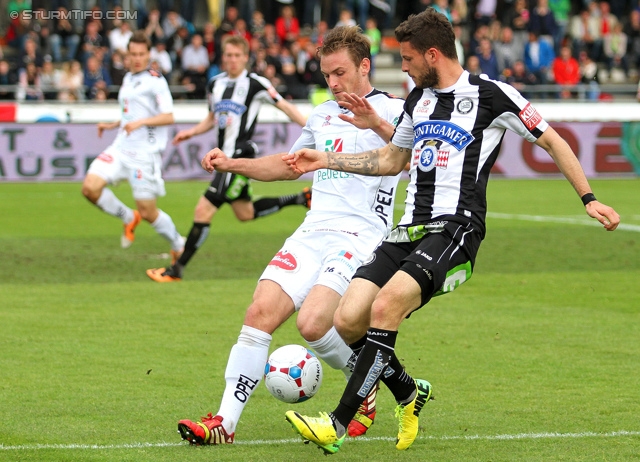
x=465, y=105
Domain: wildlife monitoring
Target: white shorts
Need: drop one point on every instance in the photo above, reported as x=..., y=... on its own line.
x=318, y=254
x=142, y=169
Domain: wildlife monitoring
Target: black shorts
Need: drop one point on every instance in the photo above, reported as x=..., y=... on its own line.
x=229, y=187
x=439, y=257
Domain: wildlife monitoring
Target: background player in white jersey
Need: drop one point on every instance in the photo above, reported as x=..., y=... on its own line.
x=135, y=154
x=451, y=130
x=235, y=98
x=349, y=217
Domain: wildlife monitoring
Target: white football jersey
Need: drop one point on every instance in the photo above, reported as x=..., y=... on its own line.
x=339, y=195
x=144, y=94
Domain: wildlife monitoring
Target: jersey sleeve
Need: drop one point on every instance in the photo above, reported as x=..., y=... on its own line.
x=403, y=135
x=395, y=107
x=306, y=138
x=164, y=100
x=513, y=112
x=209, y=93
x=268, y=94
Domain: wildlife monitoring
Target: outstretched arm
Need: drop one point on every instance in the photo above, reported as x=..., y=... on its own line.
x=203, y=126
x=154, y=121
x=292, y=112
x=570, y=167
x=365, y=116
x=268, y=168
x=388, y=160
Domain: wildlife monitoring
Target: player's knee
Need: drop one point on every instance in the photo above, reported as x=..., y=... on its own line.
x=243, y=217
x=148, y=214
x=349, y=329
x=310, y=329
x=90, y=192
x=204, y=211
x=381, y=312
x=265, y=316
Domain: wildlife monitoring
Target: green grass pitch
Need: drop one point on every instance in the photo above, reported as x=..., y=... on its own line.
x=536, y=358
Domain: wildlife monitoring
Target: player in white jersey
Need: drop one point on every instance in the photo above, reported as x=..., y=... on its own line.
x=450, y=131
x=349, y=217
x=235, y=98
x=135, y=154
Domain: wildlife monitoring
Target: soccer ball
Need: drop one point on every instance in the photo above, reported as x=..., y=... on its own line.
x=293, y=374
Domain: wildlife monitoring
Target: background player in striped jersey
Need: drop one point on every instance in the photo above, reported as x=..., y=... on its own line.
x=135, y=154
x=451, y=130
x=349, y=217
x=235, y=98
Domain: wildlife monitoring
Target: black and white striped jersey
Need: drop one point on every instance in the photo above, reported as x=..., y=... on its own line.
x=235, y=104
x=455, y=134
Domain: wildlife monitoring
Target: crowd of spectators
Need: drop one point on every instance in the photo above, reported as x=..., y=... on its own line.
x=521, y=42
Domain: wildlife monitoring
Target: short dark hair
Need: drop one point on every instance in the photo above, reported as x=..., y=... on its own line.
x=348, y=38
x=140, y=37
x=428, y=29
x=236, y=40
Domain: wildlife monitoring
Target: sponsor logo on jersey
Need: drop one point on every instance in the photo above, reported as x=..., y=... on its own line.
x=137, y=174
x=284, y=260
x=326, y=174
x=345, y=254
x=395, y=121
x=530, y=116
x=226, y=105
x=424, y=108
x=465, y=105
x=442, y=159
x=333, y=145
x=104, y=157
x=442, y=130
x=327, y=121
x=342, y=261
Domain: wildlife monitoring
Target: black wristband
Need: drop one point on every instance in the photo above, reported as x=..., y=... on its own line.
x=589, y=197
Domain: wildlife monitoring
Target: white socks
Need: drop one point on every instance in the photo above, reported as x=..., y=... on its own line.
x=109, y=203
x=164, y=227
x=244, y=372
x=332, y=349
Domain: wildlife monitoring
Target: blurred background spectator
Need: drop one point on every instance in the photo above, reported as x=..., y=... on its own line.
x=515, y=41
x=7, y=77
x=566, y=71
x=29, y=83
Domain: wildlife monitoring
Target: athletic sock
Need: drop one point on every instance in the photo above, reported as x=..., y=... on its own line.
x=394, y=377
x=197, y=235
x=245, y=369
x=109, y=203
x=165, y=227
x=269, y=205
x=372, y=362
x=398, y=381
x=356, y=348
x=332, y=349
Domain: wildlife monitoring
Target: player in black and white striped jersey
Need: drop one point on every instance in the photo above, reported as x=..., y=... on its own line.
x=235, y=98
x=450, y=131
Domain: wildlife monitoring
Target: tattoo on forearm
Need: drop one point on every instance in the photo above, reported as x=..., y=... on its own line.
x=366, y=163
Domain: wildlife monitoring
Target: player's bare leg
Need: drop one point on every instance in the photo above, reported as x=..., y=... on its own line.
x=94, y=188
